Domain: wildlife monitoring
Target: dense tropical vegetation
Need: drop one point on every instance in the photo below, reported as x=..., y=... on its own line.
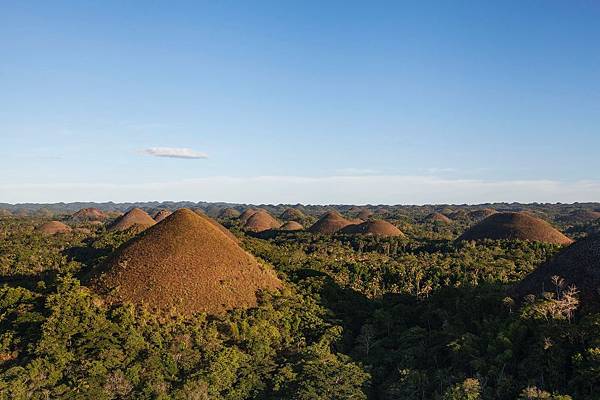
x=417, y=317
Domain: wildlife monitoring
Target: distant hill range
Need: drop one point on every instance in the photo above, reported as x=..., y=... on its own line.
x=565, y=213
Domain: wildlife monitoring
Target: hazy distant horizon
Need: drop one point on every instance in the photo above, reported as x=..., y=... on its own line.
x=306, y=190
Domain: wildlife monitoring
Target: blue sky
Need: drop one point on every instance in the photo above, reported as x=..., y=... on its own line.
x=299, y=101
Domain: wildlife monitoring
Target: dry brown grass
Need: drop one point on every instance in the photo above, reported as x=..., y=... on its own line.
x=261, y=221
x=375, y=228
x=134, y=219
x=515, y=225
x=578, y=264
x=244, y=216
x=187, y=263
x=438, y=217
x=162, y=214
x=291, y=226
x=330, y=223
x=53, y=228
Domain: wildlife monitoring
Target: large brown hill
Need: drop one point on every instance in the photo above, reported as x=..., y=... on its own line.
x=187, y=263
x=578, y=264
x=375, y=228
x=261, y=221
x=515, y=225
x=135, y=218
x=291, y=226
x=330, y=223
x=246, y=214
x=53, y=227
x=89, y=214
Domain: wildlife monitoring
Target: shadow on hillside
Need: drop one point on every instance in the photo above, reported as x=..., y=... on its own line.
x=29, y=281
x=84, y=254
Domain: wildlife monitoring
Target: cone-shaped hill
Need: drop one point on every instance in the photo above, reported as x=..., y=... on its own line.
x=133, y=219
x=291, y=226
x=53, y=227
x=261, y=221
x=162, y=214
x=578, y=264
x=89, y=214
x=375, y=228
x=515, y=225
x=229, y=213
x=187, y=263
x=438, y=217
x=292, y=214
x=330, y=223
x=246, y=214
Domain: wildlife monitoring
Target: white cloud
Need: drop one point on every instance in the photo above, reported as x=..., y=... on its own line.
x=174, y=152
x=357, y=189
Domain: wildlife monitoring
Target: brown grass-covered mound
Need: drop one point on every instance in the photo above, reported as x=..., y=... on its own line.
x=186, y=263
x=291, y=226
x=261, y=221
x=89, y=214
x=364, y=214
x=375, y=228
x=478, y=215
x=162, y=214
x=581, y=216
x=292, y=214
x=578, y=264
x=229, y=213
x=330, y=223
x=5, y=213
x=438, y=217
x=246, y=214
x=515, y=225
x=53, y=227
x=133, y=219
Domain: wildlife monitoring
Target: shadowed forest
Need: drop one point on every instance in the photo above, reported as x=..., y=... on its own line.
x=373, y=302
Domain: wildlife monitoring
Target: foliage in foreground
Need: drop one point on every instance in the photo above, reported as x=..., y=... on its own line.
x=360, y=319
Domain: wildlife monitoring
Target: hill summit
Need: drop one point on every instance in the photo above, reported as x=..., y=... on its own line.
x=133, y=219
x=187, y=263
x=261, y=221
x=330, y=223
x=515, y=225
x=53, y=227
x=374, y=228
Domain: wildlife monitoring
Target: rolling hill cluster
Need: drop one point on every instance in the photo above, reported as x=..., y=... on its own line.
x=226, y=301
